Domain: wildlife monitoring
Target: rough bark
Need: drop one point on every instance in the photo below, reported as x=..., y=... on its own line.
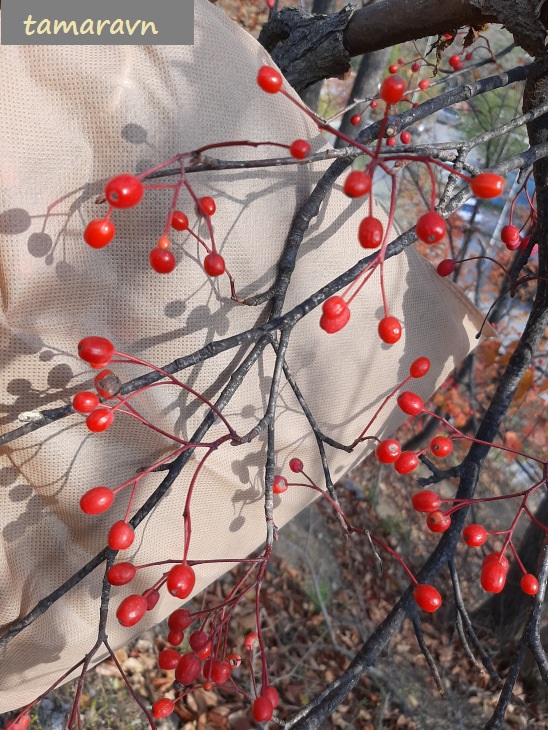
x=311, y=95
x=527, y=21
x=307, y=48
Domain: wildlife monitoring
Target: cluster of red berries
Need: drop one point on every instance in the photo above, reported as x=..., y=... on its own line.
x=180, y=583
x=199, y=661
x=430, y=227
x=126, y=191
x=494, y=567
x=97, y=352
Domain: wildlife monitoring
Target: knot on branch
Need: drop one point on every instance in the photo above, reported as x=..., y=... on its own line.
x=527, y=21
x=306, y=47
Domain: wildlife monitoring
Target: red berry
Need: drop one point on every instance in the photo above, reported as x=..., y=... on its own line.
x=175, y=637
x=262, y=709
x=189, y=669
x=458, y=66
x=370, y=232
x=152, y=598
x=529, y=584
x=454, y=61
x=426, y=501
x=487, y=185
x=514, y=246
x=162, y=708
x=95, y=350
x=510, y=235
x=162, y=260
x=121, y=574
x=389, y=330
x=124, y=191
x=271, y=693
x=392, y=89
x=334, y=307
x=205, y=651
x=107, y=384
x=498, y=558
x=357, y=184
x=334, y=324
x=427, y=598
x=393, y=68
x=388, y=451
x=405, y=137
x=250, y=639
x=208, y=686
x=296, y=465
x=121, y=536
x=206, y=206
x=474, y=535
x=269, y=79
x=374, y=104
x=20, y=723
x=168, y=659
x=99, y=420
x=299, y=149
x=391, y=142
x=197, y=640
x=180, y=619
x=217, y=670
x=441, y=446
x=179, y=221
x=415, y=67
x=493, y=576
x=181, y=580
x=446, y=267
x=131, y=610
x=280, y=484
x=468, y=57
x=406, y=462
x=419, y=367
x=96, y=500
x=424, y=84
x=410, y=403
x=235, y=660
x=85, y=402
x=99, y=233
x=438, y=521
x=214, y=264
x=355, y=120
x=430, y=228
x=163, y=243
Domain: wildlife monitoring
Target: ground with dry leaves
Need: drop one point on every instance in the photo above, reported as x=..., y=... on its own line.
x=324, y=596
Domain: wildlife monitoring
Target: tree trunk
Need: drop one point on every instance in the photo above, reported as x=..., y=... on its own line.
x=311, y=95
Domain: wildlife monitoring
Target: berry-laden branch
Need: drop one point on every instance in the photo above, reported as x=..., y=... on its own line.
x=209, y=654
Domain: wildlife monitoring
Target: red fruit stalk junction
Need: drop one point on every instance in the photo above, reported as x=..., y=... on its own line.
x=203, y=647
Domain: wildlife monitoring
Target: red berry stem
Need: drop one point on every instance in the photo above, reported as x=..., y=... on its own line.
x=184, y=386
x=379, y=409
x=186, y=512
x=128, y=685
x=458, y=435
x=515, y=552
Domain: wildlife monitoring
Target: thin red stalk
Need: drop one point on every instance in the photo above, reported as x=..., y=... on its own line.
x=382, y=405
x=186, y=512
x=175, y=381
x=130, y=688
